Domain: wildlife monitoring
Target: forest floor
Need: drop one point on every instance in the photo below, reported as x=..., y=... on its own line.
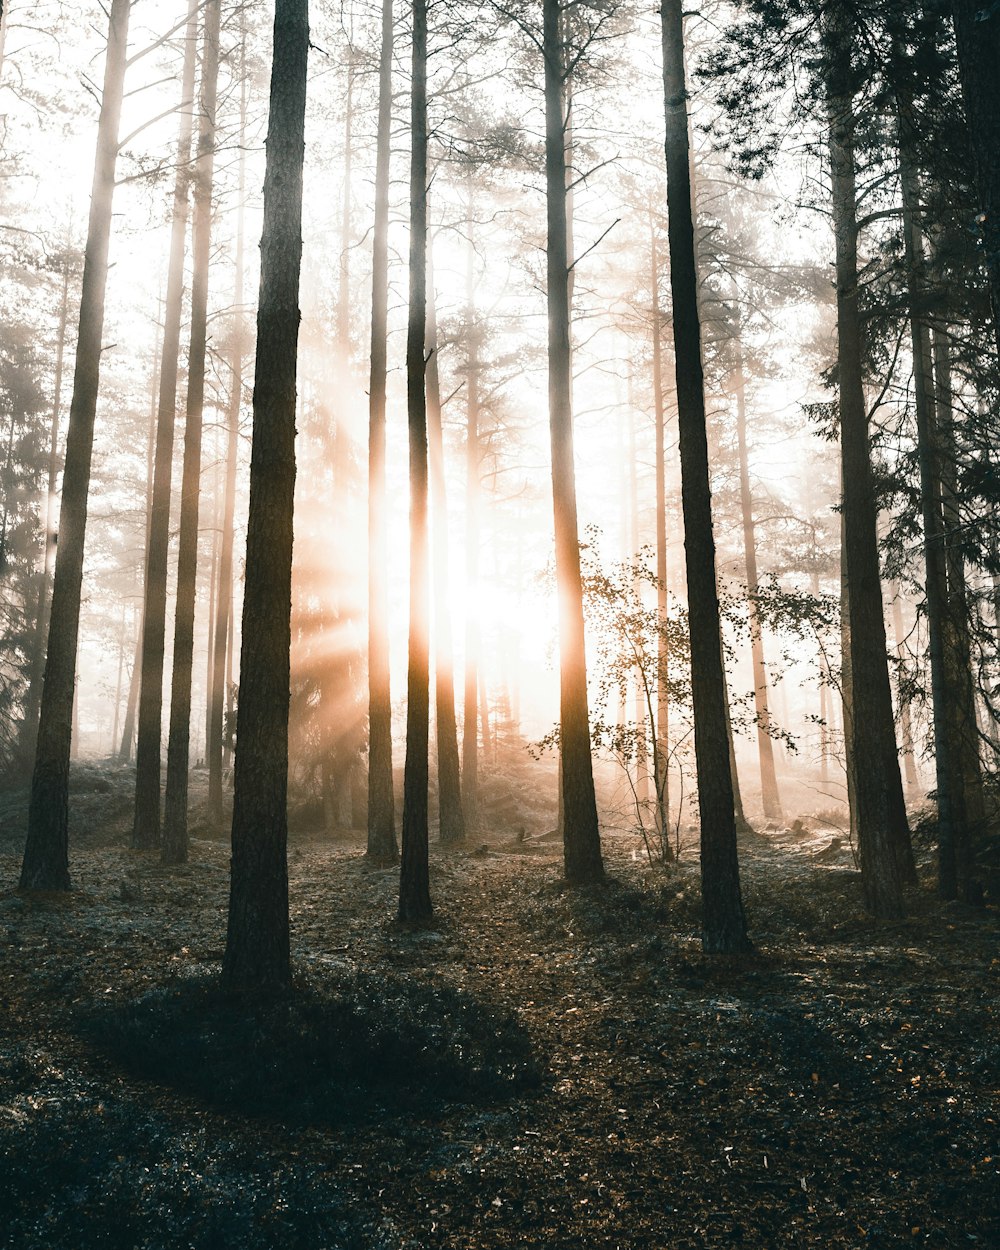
x=544, y=1068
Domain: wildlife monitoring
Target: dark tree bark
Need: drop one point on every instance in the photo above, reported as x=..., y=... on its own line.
x=414, y=877
x=382, y=846
x=581, y=835
x=451, y=819
x=765, y=748
x=175, y=840
x=224, y=610
x=977, y=32
x=46, y=853
x=880, y=814
x=146, y=819
x=257, y=941
x=724, y=920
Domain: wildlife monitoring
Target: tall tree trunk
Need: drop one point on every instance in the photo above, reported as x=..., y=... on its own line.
x=977, y=32
x=640, y=716
x=879, y=810
x=257, y=941
x=29, y=726
x=661, y=742
x=581, y=836
x=382, y=846
x=128, y=731
x=344, y=292
x=950, y=790
x=222, y=641
x=765, y=747
x=414, y=877
x=46, y=853
x=473, y=468
x=724, y=920
x=175, y=839
x=958, y=646
x=146, y=819
x=450, y=816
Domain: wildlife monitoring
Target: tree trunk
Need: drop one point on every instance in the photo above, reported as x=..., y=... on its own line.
x=581, y=836
x=880, y=813
x=382, y=846
x=221, y=642
x=344, y=292
x=257, y=941
x=724, y=920
x=765, y=748
x=29, y=726
x=473, y=467
x=905, y=718
x=175, y=839
x=661, y=743
x=146, y=819
x=414, y=877
x=958, y=645
x=451, y=820
x=977, y=33
x=46, y=853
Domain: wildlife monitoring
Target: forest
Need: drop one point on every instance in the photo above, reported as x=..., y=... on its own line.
x=499, y=624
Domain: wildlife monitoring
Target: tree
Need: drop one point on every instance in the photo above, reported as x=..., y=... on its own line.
x=174, y=848
x=724, y=921
x=414, y=878
x=581, y=836
x=257, y=939
x=382, y=846
x=880, y=813
x=146, y=818
x=46, y=853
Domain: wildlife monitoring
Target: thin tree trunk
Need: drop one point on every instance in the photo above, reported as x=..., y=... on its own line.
x=880, y=812
x=661, y=745
x=382, y=846
x=223, y=638
x=344, y=292
x=724, y=920
x=958, y=646
x=33, y=698
x=581, y=836
x=146, y=819
x=765, y=748
x=473, y=635
x=905, y=718
x=450, y=816
x=257, y=941
x=46, y=853
x=175, y=838
x=414, y=877
x=214, y=591
x=128, y=732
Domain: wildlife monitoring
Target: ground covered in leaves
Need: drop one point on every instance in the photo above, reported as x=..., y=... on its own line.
x=543, y=1068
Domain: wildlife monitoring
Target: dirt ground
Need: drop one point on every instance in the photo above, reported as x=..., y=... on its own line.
x=838, y=1088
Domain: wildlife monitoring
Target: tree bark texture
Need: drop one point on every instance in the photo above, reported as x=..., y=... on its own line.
x=880, y=816
x=46, y=853
x=382, y=845
x=257, y=941
x=581, y=835
x=146, y=819
x=175, y=839
x=724, y=921
x=414, y=877
x=661, y=741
